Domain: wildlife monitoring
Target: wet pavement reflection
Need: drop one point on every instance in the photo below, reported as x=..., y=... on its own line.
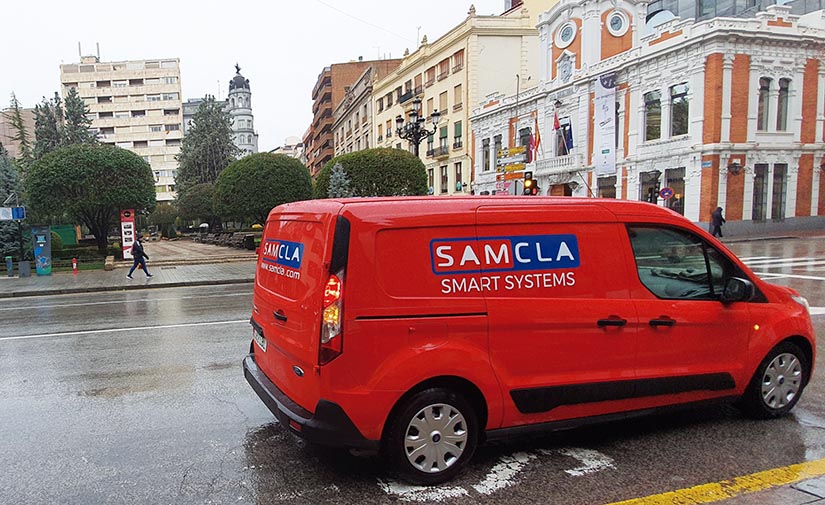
x=164, y=415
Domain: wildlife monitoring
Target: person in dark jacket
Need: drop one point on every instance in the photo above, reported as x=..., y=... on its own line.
x=140, y=258
x=716, y=222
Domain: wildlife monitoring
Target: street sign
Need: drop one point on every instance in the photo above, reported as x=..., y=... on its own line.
x=518, y=158
x=512, y=151
x=666, y=193
x=515, y=167
x=513, y=176
x=12, y=213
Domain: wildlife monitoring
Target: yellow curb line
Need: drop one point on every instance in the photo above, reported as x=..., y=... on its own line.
x=717, y=491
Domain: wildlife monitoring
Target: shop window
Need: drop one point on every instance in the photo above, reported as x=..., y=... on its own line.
x=760, y=192
x=780, y=190
x=675, y=180
x=607, y=187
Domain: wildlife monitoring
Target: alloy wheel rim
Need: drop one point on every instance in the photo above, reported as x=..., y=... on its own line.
x=435, y=438
x=781, y=381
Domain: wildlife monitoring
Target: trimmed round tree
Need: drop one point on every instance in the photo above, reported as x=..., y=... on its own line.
x=375, y=172
x=249, y=188
x=90, y=184
x=197, y=203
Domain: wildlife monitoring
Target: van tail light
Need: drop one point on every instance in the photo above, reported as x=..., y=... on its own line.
x=332, y=319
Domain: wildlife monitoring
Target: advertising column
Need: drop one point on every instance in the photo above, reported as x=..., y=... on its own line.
x=42, y=241
x=127, y=232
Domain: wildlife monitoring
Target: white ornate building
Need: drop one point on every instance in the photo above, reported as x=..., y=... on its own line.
x=724, y=111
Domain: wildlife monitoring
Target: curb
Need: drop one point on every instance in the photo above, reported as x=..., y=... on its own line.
x=99, y=289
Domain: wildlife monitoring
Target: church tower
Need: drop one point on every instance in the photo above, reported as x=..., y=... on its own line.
x=239, y=105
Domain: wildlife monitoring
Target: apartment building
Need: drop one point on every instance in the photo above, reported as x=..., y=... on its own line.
x=637, y=103
x=135, y=105
x=352, y=118
x=330, y=89
x=481, y=56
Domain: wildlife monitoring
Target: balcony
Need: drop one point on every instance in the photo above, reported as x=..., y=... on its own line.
x=458, y=67
x=558, y=165
x=443, y=76
x=380, y=138
x=457, y=145
x=430, y=153
x=406, y=97
x=458, y=106
x=429, y=82
x=442, y=152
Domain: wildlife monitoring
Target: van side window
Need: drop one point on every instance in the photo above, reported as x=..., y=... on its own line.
x=675, y=264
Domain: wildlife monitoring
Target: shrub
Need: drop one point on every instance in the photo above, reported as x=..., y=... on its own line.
x=376, y=172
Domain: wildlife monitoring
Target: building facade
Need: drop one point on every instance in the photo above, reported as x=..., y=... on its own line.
x=479, y=57
x=239, y=106
x=135, y=105
x=190, y=107
x=293, y=147
x=352, y=118
x=329, y=90
x=683, y=113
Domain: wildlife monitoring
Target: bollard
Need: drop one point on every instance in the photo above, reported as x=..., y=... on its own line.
x=10, y=266
x=74, y=266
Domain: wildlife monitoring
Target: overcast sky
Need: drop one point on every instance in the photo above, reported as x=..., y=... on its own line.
x=281, y=46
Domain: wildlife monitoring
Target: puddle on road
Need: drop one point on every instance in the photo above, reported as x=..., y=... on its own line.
x=116, y=384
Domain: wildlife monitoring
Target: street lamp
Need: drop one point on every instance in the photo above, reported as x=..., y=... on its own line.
x=414, y=130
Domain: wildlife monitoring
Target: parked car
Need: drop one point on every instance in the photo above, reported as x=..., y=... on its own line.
x=419, y=327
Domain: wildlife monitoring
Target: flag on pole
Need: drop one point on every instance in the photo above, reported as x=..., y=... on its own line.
x=556, y=125
x=537, y=142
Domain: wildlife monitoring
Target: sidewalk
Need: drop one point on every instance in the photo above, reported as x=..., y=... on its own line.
x=172, y=264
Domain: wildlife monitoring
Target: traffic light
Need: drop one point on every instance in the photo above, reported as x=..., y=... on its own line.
x=529, y=186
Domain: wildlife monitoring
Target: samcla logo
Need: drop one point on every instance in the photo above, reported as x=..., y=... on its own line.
x=284, y=253
x=500, y=254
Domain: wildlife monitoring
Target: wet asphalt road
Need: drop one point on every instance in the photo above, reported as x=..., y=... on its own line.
x=139, y=397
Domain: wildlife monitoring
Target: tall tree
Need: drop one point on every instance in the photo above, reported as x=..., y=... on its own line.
x=77, y=129
x=15, y=117
x=376, y=172
x=48, y=126
x=91, y=184
x=9, y=183
x=207, y=148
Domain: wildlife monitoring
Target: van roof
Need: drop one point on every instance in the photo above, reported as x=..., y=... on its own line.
x=466, y=203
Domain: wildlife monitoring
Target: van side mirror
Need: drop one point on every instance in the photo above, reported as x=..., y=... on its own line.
x=738, y=290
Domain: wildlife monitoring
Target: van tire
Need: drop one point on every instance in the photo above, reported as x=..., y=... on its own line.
x=784, y=371
x=452, y=425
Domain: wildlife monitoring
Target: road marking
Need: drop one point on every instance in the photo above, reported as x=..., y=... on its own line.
x=592, y=461
x=111, y=302
x=746, y=484
x=501, y=476
x=120, y=330
x=776, y=275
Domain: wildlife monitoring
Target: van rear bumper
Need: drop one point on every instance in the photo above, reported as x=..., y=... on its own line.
x=329, y=425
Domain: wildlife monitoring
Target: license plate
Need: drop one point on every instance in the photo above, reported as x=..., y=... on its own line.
x=259, y=339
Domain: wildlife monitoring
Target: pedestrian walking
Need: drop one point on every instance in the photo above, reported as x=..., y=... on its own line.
x=716, y=222
x=140, y=258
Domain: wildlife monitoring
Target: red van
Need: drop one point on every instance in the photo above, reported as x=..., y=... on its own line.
x=422, y=326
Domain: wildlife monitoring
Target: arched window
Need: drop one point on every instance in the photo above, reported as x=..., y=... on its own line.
x=653, y=115
x=764, y=105
x=232, y=102
x=782, y=105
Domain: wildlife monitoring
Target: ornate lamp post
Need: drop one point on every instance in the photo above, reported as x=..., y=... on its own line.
x=414, y=131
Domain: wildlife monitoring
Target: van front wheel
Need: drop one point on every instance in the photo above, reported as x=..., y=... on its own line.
x=432, y=437
x=778, y=382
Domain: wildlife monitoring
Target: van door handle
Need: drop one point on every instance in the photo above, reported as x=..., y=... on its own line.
x=612, y=321
x=279, y=315
x=662, y=321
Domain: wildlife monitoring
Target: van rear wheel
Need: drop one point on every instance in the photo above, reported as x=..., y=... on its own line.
x=432, y=436
x=778, y=382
